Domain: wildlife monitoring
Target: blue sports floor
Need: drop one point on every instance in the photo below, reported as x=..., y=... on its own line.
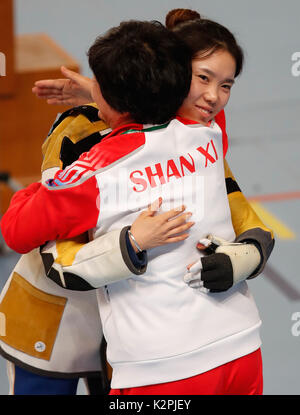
x=264, y=141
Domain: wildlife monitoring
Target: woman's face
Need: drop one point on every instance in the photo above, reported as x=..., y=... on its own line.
x=212, y=79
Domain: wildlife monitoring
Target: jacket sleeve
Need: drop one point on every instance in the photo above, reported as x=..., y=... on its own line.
x=40, y=213
x=77, y=264
x=247, y=225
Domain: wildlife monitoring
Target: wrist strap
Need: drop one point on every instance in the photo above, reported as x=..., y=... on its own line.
x=135, y=242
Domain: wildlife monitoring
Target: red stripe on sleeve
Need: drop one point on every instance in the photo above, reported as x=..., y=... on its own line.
x=221, y=121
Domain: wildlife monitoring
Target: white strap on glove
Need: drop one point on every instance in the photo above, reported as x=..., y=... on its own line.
x=226, y=264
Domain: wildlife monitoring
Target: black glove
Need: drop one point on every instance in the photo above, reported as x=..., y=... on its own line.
x=225, y=264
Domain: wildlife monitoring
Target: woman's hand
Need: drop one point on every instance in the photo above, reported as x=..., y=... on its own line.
x=152, y=229
x=74, y=90
x=226, y=264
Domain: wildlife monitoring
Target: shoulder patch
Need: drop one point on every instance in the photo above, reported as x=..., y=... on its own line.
x=89, y=111
x=72, y=175
x=71, y=152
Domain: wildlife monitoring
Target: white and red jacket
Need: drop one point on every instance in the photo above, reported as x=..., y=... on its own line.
x=157, y=329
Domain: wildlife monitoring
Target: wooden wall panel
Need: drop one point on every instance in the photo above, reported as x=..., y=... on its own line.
x=24, y=119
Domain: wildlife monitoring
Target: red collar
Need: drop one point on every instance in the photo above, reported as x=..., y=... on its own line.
x=135, y=126
x=123, y=128
x=186, y=121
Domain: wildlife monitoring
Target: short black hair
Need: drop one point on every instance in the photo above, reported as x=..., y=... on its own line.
x=143, y=69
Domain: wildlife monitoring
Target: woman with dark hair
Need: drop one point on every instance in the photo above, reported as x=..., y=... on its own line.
x=228, y=361
x=209, y=42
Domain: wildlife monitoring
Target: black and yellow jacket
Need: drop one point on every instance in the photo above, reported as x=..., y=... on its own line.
x=45, y=328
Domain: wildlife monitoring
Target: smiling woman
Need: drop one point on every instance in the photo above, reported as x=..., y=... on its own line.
x=216, y=60
x=212, y=78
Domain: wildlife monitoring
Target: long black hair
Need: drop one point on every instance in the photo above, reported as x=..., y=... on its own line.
x=204, y=36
